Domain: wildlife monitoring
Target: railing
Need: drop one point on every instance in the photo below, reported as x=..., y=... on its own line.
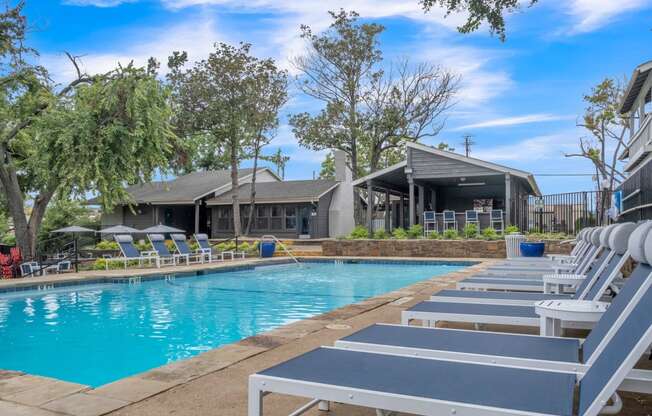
x=566, y=213
x=277, y=241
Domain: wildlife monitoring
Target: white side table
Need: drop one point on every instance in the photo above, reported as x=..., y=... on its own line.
x=556, y=282
x=554, y=313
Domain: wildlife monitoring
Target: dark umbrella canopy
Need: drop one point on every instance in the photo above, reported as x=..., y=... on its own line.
x=120, y=229
x=162, y=229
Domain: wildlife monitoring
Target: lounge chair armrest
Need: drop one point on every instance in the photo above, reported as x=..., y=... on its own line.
x=204, y=250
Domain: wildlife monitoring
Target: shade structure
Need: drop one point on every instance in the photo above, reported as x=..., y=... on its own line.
x=120, y=229
x=162, y=229
x=73, y=229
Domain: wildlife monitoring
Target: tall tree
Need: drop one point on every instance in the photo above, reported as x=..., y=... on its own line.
x=607, y=135
x=338, y=66
x=225, y=103
x=490, y=11
x=327, y=169
x=280, y=160
x=407, y=103
x=93, y=134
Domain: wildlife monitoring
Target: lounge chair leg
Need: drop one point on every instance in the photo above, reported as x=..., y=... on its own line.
x=255, y=400
x=324, y=406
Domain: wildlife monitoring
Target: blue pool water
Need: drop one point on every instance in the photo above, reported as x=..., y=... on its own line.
x=95, y=334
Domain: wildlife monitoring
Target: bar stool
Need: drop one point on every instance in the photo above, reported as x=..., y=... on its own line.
x=497, y=219
x=471, y=217
x=429, y=222
x=449, y=219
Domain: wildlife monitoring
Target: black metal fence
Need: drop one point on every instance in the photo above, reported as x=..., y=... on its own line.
x=564, y=213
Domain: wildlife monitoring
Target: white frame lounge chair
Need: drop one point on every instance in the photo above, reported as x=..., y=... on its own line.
x=158, y=244
x=181, y=243
x=130, y=252
x=428, y=386
x=612, y=258
x=431, y=312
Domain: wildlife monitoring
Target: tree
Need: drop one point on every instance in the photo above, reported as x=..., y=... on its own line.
x=479, y=11
x=608, y=131
x=445, y=146
x=336, y=68
x=279, y=160
x=93, y=134
x=228, y=103
x=405, y=104
x=327, y=170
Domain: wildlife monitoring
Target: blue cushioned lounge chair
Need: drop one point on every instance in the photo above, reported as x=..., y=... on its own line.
x=158, y=243
x=430, y=312
x=181, y=244
x=130, y=252
x=435, y=386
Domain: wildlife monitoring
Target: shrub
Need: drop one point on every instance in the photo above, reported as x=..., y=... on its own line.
x=226, y=246
x=450, y=234
x=359, y=232
x=381, y=234
x=434, y=235
x=100, y=264
x=170, y=245
x=511, y=229
x=399, y=234
x=193, y=245
x=107, y=245
x=143, y=246
x=490, y=234
x=415, y=231
x=244, y=246
x=470, y=230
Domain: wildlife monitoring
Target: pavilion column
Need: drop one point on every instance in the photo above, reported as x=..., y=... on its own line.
x=197, y=216
x=155, y=209
x=370, y=207
x=508, y=200
x=433, y=198
x=388, y=216
x=411, y=201
x=422, y=202
x=401, y=212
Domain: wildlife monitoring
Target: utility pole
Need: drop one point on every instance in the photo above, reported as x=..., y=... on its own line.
x=467, y=143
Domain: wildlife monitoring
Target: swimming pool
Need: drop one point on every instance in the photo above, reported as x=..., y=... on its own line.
x=97, y=333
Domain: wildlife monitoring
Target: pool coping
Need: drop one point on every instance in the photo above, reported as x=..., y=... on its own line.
x=49, y=397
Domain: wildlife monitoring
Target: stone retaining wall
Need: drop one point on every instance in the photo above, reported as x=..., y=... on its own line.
x=427, y=248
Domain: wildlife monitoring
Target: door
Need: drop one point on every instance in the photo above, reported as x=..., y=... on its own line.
x=304, y=220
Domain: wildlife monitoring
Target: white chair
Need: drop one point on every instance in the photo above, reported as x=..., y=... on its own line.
x=449, y=219
x=497, y=220
x=471, y=217
x=429, y=222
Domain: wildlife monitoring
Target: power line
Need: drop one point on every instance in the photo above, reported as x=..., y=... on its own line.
x=467, y=143
x=564, y=174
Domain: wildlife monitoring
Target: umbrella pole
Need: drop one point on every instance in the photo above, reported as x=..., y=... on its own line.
x=76, y=256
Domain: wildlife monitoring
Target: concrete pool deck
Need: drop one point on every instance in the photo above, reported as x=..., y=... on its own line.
x=215, y=382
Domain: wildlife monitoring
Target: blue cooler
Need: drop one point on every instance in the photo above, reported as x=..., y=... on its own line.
x=267, y=248
x=532, y=249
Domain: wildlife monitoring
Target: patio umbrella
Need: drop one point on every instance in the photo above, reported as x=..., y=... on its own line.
x=162, y=229
x=75, y=230
x=119, y=229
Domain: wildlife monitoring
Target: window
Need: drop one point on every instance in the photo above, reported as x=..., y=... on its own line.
x=262, y=220
x=224, y=220
x=276, y=220
x=290, y=218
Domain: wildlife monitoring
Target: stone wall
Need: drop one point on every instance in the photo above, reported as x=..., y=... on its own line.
x=427, y=248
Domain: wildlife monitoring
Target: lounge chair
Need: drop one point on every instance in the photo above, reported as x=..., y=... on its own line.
x=204, y=244
x=611, y=260
x=429, y=386
x=158, y=243
x=130, y=252
x=183, y=249
x=431, y=312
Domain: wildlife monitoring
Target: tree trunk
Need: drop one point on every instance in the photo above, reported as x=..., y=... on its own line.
x=234, y=188
x=16, y=206
x=252, y=204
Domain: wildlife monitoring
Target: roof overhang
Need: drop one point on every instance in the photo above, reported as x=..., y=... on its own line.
x=396, y=167
x=227, y=187
x=636, y=82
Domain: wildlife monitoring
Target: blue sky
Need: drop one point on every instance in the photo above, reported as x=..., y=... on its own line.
x=519, y=99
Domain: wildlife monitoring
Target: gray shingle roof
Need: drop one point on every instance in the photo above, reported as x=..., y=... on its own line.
x=286, y=191
x=183, y=189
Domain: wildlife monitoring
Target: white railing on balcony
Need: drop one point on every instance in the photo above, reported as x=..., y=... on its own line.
x=639, y=145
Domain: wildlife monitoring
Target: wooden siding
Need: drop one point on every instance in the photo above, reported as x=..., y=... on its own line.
x=427, y=165
x=319, y=227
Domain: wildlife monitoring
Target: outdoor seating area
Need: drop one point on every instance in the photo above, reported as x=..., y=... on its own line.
x=450, y=220
x=438, y=370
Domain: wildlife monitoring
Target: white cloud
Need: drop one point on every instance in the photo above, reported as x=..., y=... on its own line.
x=546, y=147
x=195, y=36
x=97, y=3
x=593, y=14
x=512, y=121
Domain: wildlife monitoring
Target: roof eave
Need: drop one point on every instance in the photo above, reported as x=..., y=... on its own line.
x=632, y=81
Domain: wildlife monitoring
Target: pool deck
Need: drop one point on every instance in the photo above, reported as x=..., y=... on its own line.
x=215, y=382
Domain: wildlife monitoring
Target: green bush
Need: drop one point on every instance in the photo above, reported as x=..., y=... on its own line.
x=399, y=234
x=226, y=246
x=193, y=245
x=511, y=229
x=381, y=234
x=107, y=245
x=450, y=234
x=100, y=264
x=470, y=230
x=434, y=235
x=244, y=246
x=359, y=232
x=490, y=234
x=415, y=231
x=170, y=245
x=143, y=246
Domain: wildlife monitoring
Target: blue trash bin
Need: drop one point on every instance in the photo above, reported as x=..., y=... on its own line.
x=267, y=248
x=532, y=249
